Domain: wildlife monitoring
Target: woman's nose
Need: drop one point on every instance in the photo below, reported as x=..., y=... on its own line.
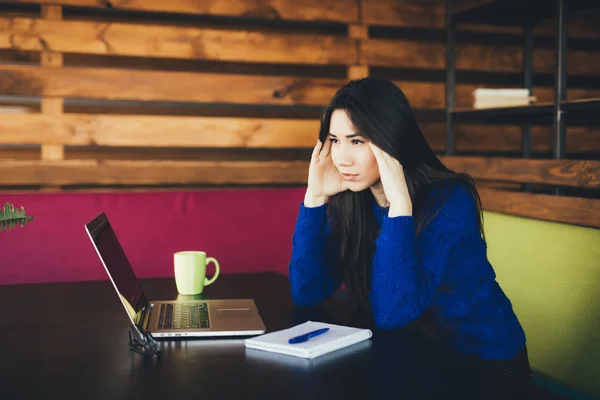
x=343, y=159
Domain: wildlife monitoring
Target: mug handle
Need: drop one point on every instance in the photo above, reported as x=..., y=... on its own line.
x=216, y=275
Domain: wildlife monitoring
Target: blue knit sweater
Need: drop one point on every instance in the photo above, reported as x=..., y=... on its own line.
x=407, y=273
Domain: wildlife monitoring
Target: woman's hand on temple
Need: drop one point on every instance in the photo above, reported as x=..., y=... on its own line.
x=394, y=183
x=324, y=180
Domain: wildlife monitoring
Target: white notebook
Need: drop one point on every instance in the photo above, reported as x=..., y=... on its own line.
x=336, y=338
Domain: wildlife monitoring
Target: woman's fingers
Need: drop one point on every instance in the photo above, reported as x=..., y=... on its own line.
x=326, y=149
x=317, y=149
x=376, y=152
x=382, y=156
x=374, y=148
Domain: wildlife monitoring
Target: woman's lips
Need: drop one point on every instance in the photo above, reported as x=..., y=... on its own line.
x=350, y=177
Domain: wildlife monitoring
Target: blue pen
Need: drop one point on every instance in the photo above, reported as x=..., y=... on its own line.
x=306, y=336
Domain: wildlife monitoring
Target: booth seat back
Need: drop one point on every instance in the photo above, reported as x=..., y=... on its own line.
x=246, y=230
x=551, y=273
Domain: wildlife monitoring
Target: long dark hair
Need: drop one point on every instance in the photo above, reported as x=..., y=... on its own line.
x=381, y=113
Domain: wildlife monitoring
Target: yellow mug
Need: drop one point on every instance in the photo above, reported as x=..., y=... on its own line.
x=190, y=271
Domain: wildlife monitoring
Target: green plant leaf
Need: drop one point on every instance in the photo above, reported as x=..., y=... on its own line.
x=11, y=216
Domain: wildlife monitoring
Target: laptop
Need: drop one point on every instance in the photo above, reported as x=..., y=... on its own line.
x=191, y=318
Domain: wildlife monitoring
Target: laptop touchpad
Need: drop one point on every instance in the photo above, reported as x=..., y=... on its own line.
x=233, y=313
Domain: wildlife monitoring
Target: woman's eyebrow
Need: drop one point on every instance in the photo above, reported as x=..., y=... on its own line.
x=348, y=136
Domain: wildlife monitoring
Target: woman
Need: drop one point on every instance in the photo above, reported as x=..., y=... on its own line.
x=404, y=233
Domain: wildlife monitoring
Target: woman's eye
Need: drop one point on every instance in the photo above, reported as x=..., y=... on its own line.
x=355, y=141
x=332, y=140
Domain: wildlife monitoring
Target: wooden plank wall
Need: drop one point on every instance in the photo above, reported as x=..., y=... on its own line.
x=146, y=93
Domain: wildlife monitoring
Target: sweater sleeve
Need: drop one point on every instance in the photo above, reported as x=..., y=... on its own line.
x=403, y=280
x=312, y=274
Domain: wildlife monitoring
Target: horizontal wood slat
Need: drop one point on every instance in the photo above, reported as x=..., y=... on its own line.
x=485, y=138
x=310, y=10
x=482, y=184
x=89, y=172
x=32, y=152
x=508, y=138
x=87, y=129
x=138, y=40
x=557, y=172
x=569, y=210
x=114, y=84
x=174, y=42
x=400, y=13
x=432, y=14
x=18, y=173
x=422, y=13
x=156, y=131
x=554, y=172
x=560, y=209
x=472, y=138
x=477, y=57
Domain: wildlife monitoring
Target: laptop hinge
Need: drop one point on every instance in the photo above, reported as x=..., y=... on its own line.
x=145, y=316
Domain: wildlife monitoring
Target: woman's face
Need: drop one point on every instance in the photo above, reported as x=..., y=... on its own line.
x=351, y=153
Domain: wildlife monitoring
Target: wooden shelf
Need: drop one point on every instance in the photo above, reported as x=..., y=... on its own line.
x=578, y=112
x=520, y=12
x=582, y=105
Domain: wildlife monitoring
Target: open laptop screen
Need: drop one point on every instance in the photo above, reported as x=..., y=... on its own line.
x=117, y=265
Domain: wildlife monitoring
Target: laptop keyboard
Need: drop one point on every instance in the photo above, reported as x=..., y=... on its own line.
x=183, y=316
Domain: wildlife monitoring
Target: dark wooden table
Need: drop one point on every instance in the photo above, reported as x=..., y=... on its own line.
x=69, y=340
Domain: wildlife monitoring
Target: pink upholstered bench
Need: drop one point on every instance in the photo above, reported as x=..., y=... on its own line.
x=247, y=230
